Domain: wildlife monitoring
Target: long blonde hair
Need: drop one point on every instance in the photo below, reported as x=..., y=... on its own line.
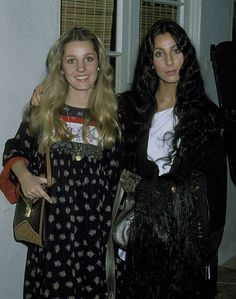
x=45, y=119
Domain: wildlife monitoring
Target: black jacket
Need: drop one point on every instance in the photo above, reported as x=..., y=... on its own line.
x=166, y=255
x=214, y=166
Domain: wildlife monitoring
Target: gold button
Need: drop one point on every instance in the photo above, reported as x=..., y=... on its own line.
x=78, y=158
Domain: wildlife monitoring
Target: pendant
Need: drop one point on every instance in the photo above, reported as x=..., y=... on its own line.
x=77, y=157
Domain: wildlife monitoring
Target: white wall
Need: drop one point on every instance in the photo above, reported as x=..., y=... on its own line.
x=27, y=30
x=216, y=27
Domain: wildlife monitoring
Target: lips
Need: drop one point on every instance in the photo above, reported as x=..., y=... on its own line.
x=81, y=77
x=171, y=72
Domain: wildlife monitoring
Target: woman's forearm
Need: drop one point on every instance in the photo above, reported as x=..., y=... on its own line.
x=20, y=169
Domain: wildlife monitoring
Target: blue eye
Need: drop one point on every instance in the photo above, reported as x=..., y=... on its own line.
x=71, y=61
x=89, y=59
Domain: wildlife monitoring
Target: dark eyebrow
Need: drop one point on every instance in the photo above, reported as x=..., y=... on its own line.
x=159, y=48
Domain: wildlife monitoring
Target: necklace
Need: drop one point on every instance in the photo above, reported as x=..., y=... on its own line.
x=77, y=153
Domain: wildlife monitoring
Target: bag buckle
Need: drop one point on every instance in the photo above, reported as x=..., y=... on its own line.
x=28, y=210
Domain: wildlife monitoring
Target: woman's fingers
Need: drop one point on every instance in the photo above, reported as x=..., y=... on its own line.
x=34, y=187
x=46, y=196
x=37, y=95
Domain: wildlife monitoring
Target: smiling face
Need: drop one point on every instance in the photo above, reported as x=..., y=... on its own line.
x=80, y=65
x=167, y=59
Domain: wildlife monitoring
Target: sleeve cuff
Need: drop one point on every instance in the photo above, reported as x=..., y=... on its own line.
x=10, y=189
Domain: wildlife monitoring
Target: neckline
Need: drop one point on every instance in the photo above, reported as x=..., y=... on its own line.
x=67, y=106
x=165, y=110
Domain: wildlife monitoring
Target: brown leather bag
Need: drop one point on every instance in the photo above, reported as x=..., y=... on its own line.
x=29, y=217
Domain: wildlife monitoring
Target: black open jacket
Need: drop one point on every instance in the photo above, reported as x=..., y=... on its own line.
x=170, y=245
x=214, y=168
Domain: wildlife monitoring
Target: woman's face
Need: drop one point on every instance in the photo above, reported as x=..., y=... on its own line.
x=167, y=59
x=80, y=65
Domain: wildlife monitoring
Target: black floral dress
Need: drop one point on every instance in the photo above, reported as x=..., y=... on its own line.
x=72, y=263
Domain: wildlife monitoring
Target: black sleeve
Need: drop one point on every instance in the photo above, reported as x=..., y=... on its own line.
x=130, y=126
x=216, y=175
x=22, y=145
x=230, y=141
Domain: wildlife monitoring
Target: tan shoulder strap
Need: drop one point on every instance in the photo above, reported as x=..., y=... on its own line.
x=48, y=164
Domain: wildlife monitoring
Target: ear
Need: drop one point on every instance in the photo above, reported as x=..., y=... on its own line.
x=62, y=72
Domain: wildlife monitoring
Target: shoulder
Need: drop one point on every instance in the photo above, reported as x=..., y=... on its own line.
x=214, y=111
x=126, y=102
x=127, y=109
x=215, y=119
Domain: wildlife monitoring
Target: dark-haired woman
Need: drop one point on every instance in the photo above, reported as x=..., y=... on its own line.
x=173, y=139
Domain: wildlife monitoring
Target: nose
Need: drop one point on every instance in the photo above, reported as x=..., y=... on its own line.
x=80, y=67
x=169, y=59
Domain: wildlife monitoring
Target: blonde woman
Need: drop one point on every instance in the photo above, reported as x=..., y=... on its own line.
x=77, y=119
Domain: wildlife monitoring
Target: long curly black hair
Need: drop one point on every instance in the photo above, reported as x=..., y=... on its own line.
x=194, y=110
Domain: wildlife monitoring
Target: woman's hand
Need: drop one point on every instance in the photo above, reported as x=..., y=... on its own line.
x=32, y=186
x=37, y=95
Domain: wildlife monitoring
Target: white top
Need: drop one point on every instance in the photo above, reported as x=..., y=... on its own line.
x=159, y=144
x=160, y=138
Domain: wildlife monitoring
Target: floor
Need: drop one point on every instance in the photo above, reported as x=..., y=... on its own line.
x=227, y=280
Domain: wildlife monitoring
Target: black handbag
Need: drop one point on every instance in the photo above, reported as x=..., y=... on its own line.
x=29, y=217
x=123, y=208
x=122, y=216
